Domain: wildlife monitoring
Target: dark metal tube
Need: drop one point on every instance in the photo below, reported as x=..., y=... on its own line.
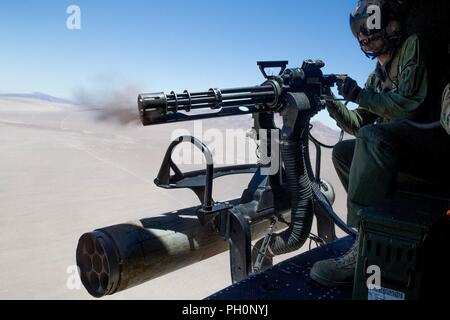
x=212, y=99
x=157, y=108
x=236, y=96
x=248, y=89
x=119, y=257
x=227, y=91
x=208, y=188
x=225, y=104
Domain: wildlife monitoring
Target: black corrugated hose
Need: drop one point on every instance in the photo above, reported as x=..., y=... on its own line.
x=299, y=187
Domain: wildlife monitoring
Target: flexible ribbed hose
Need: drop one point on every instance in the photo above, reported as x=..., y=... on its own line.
x=299, y=187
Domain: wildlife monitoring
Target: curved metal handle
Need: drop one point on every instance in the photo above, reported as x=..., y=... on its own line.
x=263, y=65
x=165, y=180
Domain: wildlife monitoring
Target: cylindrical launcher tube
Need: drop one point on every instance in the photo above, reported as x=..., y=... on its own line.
x=119, y=257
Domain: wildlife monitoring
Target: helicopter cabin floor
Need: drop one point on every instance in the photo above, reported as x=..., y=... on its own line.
x=289, y=280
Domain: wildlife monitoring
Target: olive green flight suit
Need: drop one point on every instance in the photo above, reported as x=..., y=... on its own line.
x=389, y=152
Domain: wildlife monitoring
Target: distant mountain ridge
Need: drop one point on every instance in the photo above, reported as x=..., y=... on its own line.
x=320, y=131
x=38, y=96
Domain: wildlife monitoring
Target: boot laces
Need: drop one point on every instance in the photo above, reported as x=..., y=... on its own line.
x=350, y=257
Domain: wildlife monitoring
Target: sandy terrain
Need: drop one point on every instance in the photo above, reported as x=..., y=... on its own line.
x=66, y=170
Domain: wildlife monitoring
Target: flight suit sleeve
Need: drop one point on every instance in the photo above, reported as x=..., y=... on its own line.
x=406, y=99
x=351, y=120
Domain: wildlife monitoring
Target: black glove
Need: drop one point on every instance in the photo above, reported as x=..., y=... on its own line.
x=349, y=89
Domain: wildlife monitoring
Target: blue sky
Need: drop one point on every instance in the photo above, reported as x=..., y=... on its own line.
x=169, y=45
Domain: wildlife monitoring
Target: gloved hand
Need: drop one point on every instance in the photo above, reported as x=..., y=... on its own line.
x=349, y=89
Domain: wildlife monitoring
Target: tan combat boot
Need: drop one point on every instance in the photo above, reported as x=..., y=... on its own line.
x=336, y=272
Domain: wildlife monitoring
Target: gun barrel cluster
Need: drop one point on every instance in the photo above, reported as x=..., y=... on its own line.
x=213, y=98
x=153, y=106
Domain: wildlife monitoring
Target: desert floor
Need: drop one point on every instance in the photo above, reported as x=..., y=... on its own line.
x=66, y=170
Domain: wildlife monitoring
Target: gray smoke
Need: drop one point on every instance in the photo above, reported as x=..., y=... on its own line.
x=116, y=101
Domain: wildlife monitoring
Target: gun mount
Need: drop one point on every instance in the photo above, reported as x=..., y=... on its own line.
x=287, y=198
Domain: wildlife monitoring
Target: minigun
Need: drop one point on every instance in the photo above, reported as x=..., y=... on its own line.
x=286, y=199
x=271, y=96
